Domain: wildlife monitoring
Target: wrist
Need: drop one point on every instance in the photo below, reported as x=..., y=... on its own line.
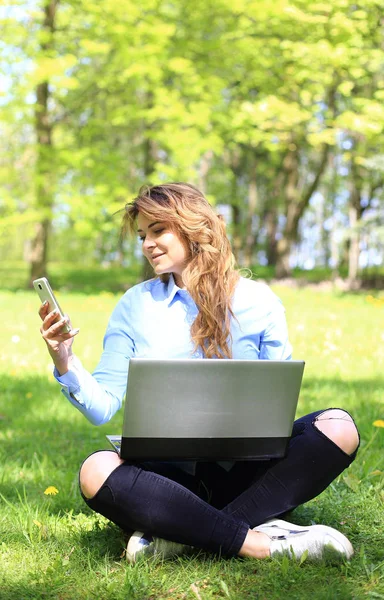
x=63, y=366
x=62, y=369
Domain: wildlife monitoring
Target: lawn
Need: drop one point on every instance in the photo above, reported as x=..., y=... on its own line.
x=53, y=547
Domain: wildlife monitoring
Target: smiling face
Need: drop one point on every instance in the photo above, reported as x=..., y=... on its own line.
x=162, y=247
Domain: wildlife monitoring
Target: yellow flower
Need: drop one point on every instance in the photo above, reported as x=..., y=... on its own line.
x=51, y=491
x=374, y=301
x=28, y=395
x=378, y=423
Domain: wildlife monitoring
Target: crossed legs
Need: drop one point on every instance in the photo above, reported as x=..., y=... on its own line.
x=322, y=445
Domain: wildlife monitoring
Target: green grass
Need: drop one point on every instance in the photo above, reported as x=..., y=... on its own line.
x=53, y=547
x=93, y=279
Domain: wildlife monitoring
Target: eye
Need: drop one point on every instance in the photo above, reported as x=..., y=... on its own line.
x=159, y=230
x=141, y=238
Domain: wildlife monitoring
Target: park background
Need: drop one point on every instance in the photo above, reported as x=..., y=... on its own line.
x=275, y=110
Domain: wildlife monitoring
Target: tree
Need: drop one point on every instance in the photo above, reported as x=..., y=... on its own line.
x=251, y=100
x=45, y=170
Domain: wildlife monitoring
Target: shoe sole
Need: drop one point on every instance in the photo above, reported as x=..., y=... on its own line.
x=134, y=548
x=339, y=537
x=157, y=547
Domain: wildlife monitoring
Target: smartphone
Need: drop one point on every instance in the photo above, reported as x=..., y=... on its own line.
x=45, y=292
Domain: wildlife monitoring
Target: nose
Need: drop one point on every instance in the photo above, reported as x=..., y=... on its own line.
x=148, y=243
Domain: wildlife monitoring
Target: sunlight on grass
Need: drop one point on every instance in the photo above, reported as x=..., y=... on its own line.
x=52, y=546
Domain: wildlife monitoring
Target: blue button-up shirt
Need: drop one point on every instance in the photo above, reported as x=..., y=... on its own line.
x=153, y=320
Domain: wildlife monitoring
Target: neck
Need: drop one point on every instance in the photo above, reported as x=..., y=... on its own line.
x=178, y=280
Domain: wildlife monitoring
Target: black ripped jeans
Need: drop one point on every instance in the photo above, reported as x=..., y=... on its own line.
x=215, y=508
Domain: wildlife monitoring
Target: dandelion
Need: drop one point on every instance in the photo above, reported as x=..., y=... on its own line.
x=374, y=301
x=51, y=491
x=378, y=423
x=28, y=395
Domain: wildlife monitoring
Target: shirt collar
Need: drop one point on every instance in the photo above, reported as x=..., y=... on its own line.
x=173, y=289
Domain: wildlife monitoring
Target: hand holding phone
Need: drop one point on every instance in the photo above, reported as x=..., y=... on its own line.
x=55, y=330
x=45, y=292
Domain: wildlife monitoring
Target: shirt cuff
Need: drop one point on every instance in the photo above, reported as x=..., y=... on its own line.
x=69, y=382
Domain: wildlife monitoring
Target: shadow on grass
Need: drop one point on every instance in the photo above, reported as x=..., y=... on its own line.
x=25, y=590
x=138, y=585
x=65, y=277
x=243, y=579
x=116, y=278
x=43, y=439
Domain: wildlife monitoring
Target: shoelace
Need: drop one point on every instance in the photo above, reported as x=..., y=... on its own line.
x=284, y=536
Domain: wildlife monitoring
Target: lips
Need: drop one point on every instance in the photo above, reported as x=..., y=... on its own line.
x=157, y=256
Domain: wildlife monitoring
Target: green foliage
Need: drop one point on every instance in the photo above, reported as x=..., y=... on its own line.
x=222, y=94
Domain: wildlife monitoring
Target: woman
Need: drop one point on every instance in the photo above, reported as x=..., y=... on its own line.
x=198, y=306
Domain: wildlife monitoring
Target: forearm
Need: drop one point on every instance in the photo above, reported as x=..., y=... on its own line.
x=82, y=389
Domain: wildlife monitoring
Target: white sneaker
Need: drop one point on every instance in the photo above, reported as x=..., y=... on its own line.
x=141, y=545
x=294, y=540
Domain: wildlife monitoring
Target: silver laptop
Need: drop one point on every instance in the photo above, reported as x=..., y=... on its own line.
x=208, y=409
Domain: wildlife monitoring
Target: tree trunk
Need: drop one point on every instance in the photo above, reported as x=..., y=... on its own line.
x=331, y=193
x=355, y=213
x=204, y=167
x=250, y=236
x=283, y=252
x=324, y=242
x=354, y=248
x=38, y=251
x=235, y=163
x=149, y=158
x=296, y=201
x=271, y=218
x=149, y=167
x=292, y=202
x=236, y=231
x=270, y=221
x=356, y=210
x=44, y=159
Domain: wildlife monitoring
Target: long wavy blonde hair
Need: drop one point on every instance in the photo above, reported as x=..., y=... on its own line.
x=209, y=276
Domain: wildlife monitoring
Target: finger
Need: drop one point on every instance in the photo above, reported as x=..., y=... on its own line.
x=54, y=329
x=68, y=320
x=72, y=333
x=60, y=336
x=52, y=317
x=43, y=310
x=63, y=337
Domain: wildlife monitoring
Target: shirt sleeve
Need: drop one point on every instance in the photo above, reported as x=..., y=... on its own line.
x=100, y=395
x=274, y=342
